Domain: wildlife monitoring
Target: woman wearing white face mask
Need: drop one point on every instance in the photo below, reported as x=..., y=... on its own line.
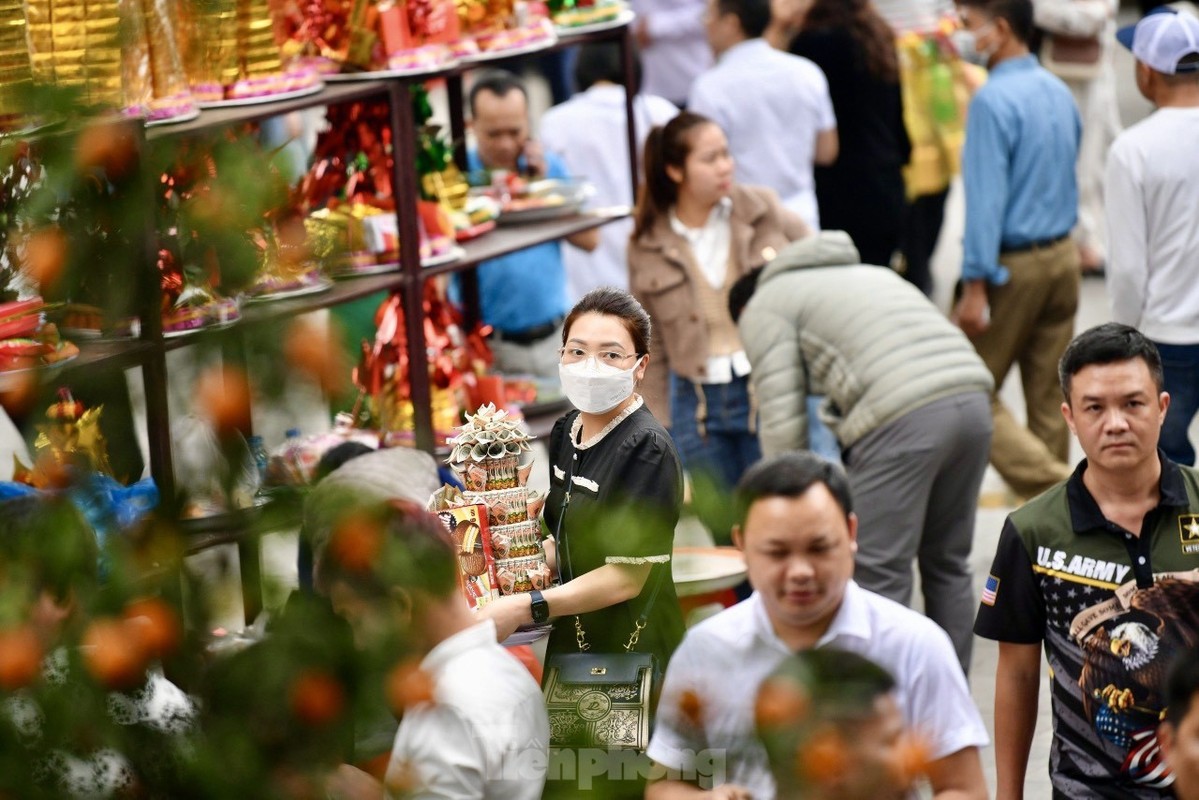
x=616, y=487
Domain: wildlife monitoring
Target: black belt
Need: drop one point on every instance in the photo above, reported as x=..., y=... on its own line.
x=1005, y=250
x=531, y=335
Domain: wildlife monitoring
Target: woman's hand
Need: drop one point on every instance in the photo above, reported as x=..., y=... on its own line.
x=508, y=614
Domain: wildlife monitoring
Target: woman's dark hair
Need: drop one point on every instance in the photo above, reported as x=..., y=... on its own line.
x=866, y=26
x=790, y=475
x=1107, y=344
x=601, y=61
x=618, y=303
x=666, y=146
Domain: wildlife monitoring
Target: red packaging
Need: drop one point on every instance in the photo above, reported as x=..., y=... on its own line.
x=471, y=536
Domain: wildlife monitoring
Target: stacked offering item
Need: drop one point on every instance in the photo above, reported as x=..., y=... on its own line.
x=27, y=341
x=155, y=83
x=487, y=454
x=231, y=54
x=16, y=73
x=77, y=44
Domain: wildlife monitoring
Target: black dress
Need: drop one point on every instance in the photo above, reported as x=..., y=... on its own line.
x=862, y=193
x=626, y=491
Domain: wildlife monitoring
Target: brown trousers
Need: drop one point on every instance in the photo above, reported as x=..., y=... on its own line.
x=1032, y=321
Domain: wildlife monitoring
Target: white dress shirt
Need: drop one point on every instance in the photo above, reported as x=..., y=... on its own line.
x=725, y=658
x=678, y=51
x=588, y=133
x=771, y=106
x=486, y=735
x=1152, y=196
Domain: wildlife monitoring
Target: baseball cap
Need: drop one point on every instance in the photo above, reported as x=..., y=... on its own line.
x=1162, y=38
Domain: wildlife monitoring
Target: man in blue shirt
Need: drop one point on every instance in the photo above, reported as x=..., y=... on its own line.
x=522, y=294
x=1020, y=271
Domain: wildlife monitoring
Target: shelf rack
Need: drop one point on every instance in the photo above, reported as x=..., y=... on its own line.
x=149, y=351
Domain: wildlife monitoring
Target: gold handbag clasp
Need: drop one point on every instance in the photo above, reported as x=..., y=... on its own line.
x=599, y=670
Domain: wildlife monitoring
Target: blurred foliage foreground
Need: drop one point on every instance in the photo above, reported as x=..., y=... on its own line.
x=93, y=628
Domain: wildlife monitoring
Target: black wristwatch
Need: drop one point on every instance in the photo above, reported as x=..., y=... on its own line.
x=541, y=608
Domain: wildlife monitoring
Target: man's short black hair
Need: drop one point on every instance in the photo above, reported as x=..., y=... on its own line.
x=790, y=475
x=498, y=82
x=1182, y=685
x=1107, y=344
x=1018, y=14
x=601, y=61
x=754, y=15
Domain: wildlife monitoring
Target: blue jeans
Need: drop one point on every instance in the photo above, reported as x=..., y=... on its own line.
x=1181, y=365
x=715, y=437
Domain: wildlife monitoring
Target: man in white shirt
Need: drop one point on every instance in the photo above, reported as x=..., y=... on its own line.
x=774, y=107
x=1152, y=197
x=798, y=533
x=482, y=733
x=586, y=133
x=674, y=48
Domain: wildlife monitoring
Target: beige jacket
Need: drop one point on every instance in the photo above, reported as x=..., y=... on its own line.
x=659, y=279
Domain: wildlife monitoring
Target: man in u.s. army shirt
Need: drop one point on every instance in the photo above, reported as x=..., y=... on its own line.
x=1103, y=571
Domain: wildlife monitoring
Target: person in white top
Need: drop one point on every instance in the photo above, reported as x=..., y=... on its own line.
x=674, y=49
x=1153, y=180
x=774, y=107
x=484, y=733
x=798, y=534
x=586, y=132
x=1093, y=85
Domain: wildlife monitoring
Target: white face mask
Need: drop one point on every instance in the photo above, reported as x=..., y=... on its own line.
x=966, y=43
x=594, y=388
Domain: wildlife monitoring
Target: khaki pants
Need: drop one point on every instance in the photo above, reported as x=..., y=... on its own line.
x=1032, y=321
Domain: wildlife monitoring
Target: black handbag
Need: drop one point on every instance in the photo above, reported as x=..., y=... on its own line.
x=600, y=700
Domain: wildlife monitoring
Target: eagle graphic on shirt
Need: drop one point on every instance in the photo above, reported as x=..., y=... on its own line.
x=1126, y=658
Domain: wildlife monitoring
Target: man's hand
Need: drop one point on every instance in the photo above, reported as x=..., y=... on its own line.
x=972, y=313
x=351, y=783
x=508, y=613
x=534, y=158
x=730, y=792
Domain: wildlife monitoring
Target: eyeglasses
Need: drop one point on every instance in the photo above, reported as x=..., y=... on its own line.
x=573, y=355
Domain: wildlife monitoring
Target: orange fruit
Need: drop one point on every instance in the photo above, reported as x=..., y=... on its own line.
x=309, y=347
x=155, y=624
x=356, y=542
x=824, y=758
x=691, y=707
x=107, y=146
x=113, y=653
x=45, y=255
x=223, y=394
x=780, y=702
x=408, y=686
x=317, y=698
x=20, y=657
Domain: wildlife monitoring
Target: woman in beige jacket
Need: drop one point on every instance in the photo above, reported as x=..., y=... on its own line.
x=695, y=234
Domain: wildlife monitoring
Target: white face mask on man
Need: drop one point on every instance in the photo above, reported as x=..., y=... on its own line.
x=966, y=43
x=594, y=388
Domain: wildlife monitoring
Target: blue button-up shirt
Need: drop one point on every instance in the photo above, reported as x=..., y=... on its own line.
x=527, y=288
x=1022, y=137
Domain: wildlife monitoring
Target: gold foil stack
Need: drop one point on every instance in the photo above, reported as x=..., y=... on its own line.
x=257, y=48
x=76, y=43
x=154, y=76
x=208, y=41
x=16, y=73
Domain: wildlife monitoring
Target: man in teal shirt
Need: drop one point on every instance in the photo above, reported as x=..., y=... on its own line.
x=1020, y=271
